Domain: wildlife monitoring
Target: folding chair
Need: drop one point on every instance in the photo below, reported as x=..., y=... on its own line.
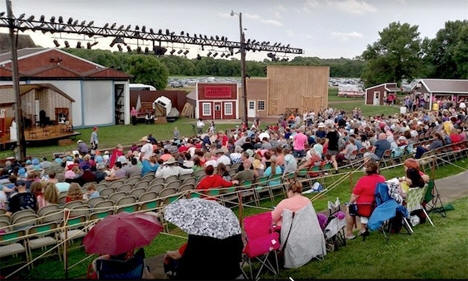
x=127, y=204
x=262, y=242
x=260, y=187
x=137, y=192
x=12, y=244
x=42, y=236
x=432, y=199
x=414, y=198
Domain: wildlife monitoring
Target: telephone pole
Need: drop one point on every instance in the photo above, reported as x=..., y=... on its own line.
x=20, y=140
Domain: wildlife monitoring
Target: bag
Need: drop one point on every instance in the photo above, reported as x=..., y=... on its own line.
x=353, y=210
x=281, y=251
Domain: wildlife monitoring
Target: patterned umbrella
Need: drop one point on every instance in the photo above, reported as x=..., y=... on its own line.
x=203, y=217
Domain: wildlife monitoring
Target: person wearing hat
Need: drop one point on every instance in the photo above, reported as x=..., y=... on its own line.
x=82, y=148
x=170, y=168
x=222, y=158
x=147, y=149
x=22, y=199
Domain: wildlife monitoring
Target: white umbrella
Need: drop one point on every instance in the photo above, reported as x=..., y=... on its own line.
x=138, y=104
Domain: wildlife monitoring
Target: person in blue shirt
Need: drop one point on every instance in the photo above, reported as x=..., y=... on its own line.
x=149, y=166
x=273, y=170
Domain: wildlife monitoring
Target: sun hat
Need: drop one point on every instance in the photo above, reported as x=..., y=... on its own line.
x=145, y=139
x=170, y=161
x=35, y=161
x=79, y=141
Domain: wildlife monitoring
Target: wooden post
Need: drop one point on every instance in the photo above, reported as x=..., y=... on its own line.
x=241, y=208
x=66, y=215
x=433, y=168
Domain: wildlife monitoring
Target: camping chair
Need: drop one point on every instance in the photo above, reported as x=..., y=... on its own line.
x=432, y=199
x=262, y=242
x=119, y=269
x=414, y=199
x=334, y=230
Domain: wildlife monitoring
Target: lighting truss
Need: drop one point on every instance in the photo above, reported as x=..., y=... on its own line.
x=70, y=26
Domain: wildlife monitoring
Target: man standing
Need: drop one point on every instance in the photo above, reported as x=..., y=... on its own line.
x=200, y=126
x=300, y=141
x=146, y=149
x=94, y=139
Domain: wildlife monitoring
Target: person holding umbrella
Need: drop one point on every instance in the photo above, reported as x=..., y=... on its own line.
x=214, y=246
x=115, y=238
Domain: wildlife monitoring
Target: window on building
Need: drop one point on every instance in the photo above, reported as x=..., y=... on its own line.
x=260, y=105
x=206, y=109
x=228, y=108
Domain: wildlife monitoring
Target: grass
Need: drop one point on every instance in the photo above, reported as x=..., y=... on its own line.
x=110, y=136
x=428, y=253
x=348, y=104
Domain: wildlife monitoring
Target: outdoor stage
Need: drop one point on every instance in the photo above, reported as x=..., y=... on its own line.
x=45, y=134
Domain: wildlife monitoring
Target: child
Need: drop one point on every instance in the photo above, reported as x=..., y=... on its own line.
x=91, y=192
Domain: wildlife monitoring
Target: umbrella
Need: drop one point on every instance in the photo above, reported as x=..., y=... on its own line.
x=203, y=217
x=121, y=233
x=138, y=104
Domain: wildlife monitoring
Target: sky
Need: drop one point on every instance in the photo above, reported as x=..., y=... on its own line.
x=322, y=28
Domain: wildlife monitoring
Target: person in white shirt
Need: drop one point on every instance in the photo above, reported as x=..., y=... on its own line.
x=264, y=135
x=170, y=168
x=222, y=158
x=146, y=150
x=200, y=126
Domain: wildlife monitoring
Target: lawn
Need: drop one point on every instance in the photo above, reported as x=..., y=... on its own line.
x=439, y=252
x=348, y=104
x=110, y=136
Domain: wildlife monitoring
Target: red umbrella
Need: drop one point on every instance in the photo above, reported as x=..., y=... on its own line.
x=121, y=233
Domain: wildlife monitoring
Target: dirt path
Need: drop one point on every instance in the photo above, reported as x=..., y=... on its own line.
x=453, y=187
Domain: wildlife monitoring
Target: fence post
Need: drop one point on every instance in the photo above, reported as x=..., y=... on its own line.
x=66, y=215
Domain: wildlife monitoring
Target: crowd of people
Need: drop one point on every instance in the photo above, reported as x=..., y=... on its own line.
x=305, y=141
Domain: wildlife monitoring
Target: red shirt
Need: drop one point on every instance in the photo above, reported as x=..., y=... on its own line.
x=213, y=182
x=183, y=148
x=365, y=189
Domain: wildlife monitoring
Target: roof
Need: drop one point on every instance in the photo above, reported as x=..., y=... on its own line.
x=52, y=63
x=454, y=86
x=23, y=41
x=26, y=88
x=391, y=87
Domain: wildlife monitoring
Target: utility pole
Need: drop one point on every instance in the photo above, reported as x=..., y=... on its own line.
x=243, y=70
x=21, y=142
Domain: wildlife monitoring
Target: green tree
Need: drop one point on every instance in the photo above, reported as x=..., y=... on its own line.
x=461, y=53
x=148, y=70
x=444, y=54
x=395, y=56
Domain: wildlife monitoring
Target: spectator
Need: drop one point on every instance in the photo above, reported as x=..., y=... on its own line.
x=21, y=199
x=379, y=148
x=300, y=140
x=74, y=193
x=82, y=148
x=37, y=190
x=91, y=192
x=212, y=180
x=222, y=171
x=117, y=172
x=169, y=168
x=51, y=195
x=247, y=174
x=149, y=166
x=294, y=202
x=363, y=198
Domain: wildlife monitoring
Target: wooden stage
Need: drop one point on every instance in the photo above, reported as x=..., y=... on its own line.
x=45, y=134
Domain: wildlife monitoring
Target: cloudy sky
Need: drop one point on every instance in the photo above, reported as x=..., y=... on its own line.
x=323, y=28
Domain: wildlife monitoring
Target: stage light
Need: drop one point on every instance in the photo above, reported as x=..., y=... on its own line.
x=160, y=31
x=57, y=44
x=248, y=41
x=31, y=18
x=222, y=55
x=128, y=27
x=209, y=54
x=78, y=45
x=179, y=52
x=75, y=22
x=42, y=18
x=129, y=49
x=188, y=35
x=70, y=21
x=2, y=13
x=167, y=31
x=199, y=57
x=211, y=38
x=195, y=36
x=238, y=51
x=137, y=28
x=287, y=46
x=120, y=28
x=60, y=19
x=67, y=45
x=217, y=37
x=105, y=26
x=52, y=19
x=186, y=52
x=88, y=46
x=215, y=55
x=83, y=23
x=113, y=25
x=143, y=28
x=202, y=47
x=182, y=33
x=139, y=49
x=146, y=50
x=172, y=51
x=120, y=48
x=21, y=16
x=172, y=33
x=222, y=38
x=206, y=37
x=151, y=31
x=90, y=23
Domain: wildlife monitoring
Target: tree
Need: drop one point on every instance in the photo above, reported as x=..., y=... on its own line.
x=445, y=53
x=394, y=57
x=148, y=70
x=461, y=53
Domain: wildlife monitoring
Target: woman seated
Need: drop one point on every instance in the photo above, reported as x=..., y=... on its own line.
x=301, y=236
x=363, y=198
x=212, y=180
x=74, y=193
x=272, y=171
x=222, y=171
x=414, y=177
x=128, y=265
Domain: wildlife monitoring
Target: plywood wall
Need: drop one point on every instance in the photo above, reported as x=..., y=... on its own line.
x=301, y=87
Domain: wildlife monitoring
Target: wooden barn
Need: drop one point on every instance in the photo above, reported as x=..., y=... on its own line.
x=47, y=112
x=216, y=101
x=377, y=95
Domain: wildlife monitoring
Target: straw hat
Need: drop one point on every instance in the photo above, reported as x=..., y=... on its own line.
x=170, y=161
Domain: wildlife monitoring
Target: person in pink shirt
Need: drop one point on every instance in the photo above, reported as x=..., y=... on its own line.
x=294, y=203
x=300, y=141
